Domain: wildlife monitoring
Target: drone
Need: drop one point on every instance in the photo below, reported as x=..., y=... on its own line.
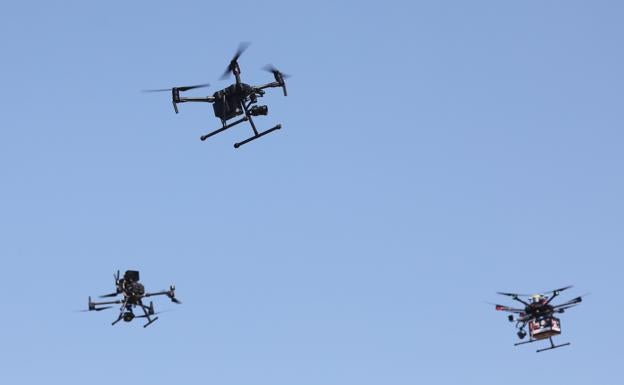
x=235, y=100
x=538, y=314
x=133, y=293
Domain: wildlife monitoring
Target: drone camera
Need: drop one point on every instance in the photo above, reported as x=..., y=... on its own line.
x=259, y=110
x=510, y=318
x=521, y=334
x=127, y=316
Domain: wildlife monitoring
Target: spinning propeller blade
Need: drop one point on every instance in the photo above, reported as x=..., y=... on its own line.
x=279, y=76
x=543, y=293
x=171, y=295
x=183, y=88
x=109, y=295
x=242, y=47
x=95, y=309
x=557, y=291
x=271, y=68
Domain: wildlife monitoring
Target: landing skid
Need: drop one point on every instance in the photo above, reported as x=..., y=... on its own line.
x=150, y=322
x=552, y=344
x=246, y=118
x=258, y=135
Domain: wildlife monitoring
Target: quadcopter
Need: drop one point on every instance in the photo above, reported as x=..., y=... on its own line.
x=538, y=314
x=133, y=293
x=237, y=99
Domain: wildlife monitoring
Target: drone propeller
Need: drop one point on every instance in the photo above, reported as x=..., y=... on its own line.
x=183, y=88
x=175, y=93
x=273, y=69
x=242, y=47
x=95, y=309
x=279, y=76
x=557, y=291
x=116, y=278
x=171, y=295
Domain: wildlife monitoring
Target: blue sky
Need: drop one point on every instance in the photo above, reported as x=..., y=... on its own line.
x=432, y=154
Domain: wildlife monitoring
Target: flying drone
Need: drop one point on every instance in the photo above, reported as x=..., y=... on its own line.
x=237, y=99
x=538, y=314
x=133, y=294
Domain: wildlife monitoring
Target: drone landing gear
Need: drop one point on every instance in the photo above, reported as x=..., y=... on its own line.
x=552, y=344
x=257, y=135
x=147, y=311
x=118, y=319
x=225, y=127
x=152, y=320
x=248, y=118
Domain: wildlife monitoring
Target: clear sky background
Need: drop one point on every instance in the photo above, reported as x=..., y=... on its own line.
x=432, y=153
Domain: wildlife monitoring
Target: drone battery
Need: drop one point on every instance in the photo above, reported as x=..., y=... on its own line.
x=226, y=108
x=227, y=103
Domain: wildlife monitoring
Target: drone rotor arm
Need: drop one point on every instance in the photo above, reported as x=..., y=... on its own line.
x=561, y=309
x=572, y=302
x=106, y=303
x=93, y=305
x=269, y=85
x=207, y=99
x=509, y=309
x=169, y=293
x=164, y=292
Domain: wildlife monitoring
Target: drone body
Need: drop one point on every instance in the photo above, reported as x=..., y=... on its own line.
x=133, y=293
x=235, y=100
x=539, y=315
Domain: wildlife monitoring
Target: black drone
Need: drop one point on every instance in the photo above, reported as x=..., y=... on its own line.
x=238, y=99
x=133, y=293
x=538, y=314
